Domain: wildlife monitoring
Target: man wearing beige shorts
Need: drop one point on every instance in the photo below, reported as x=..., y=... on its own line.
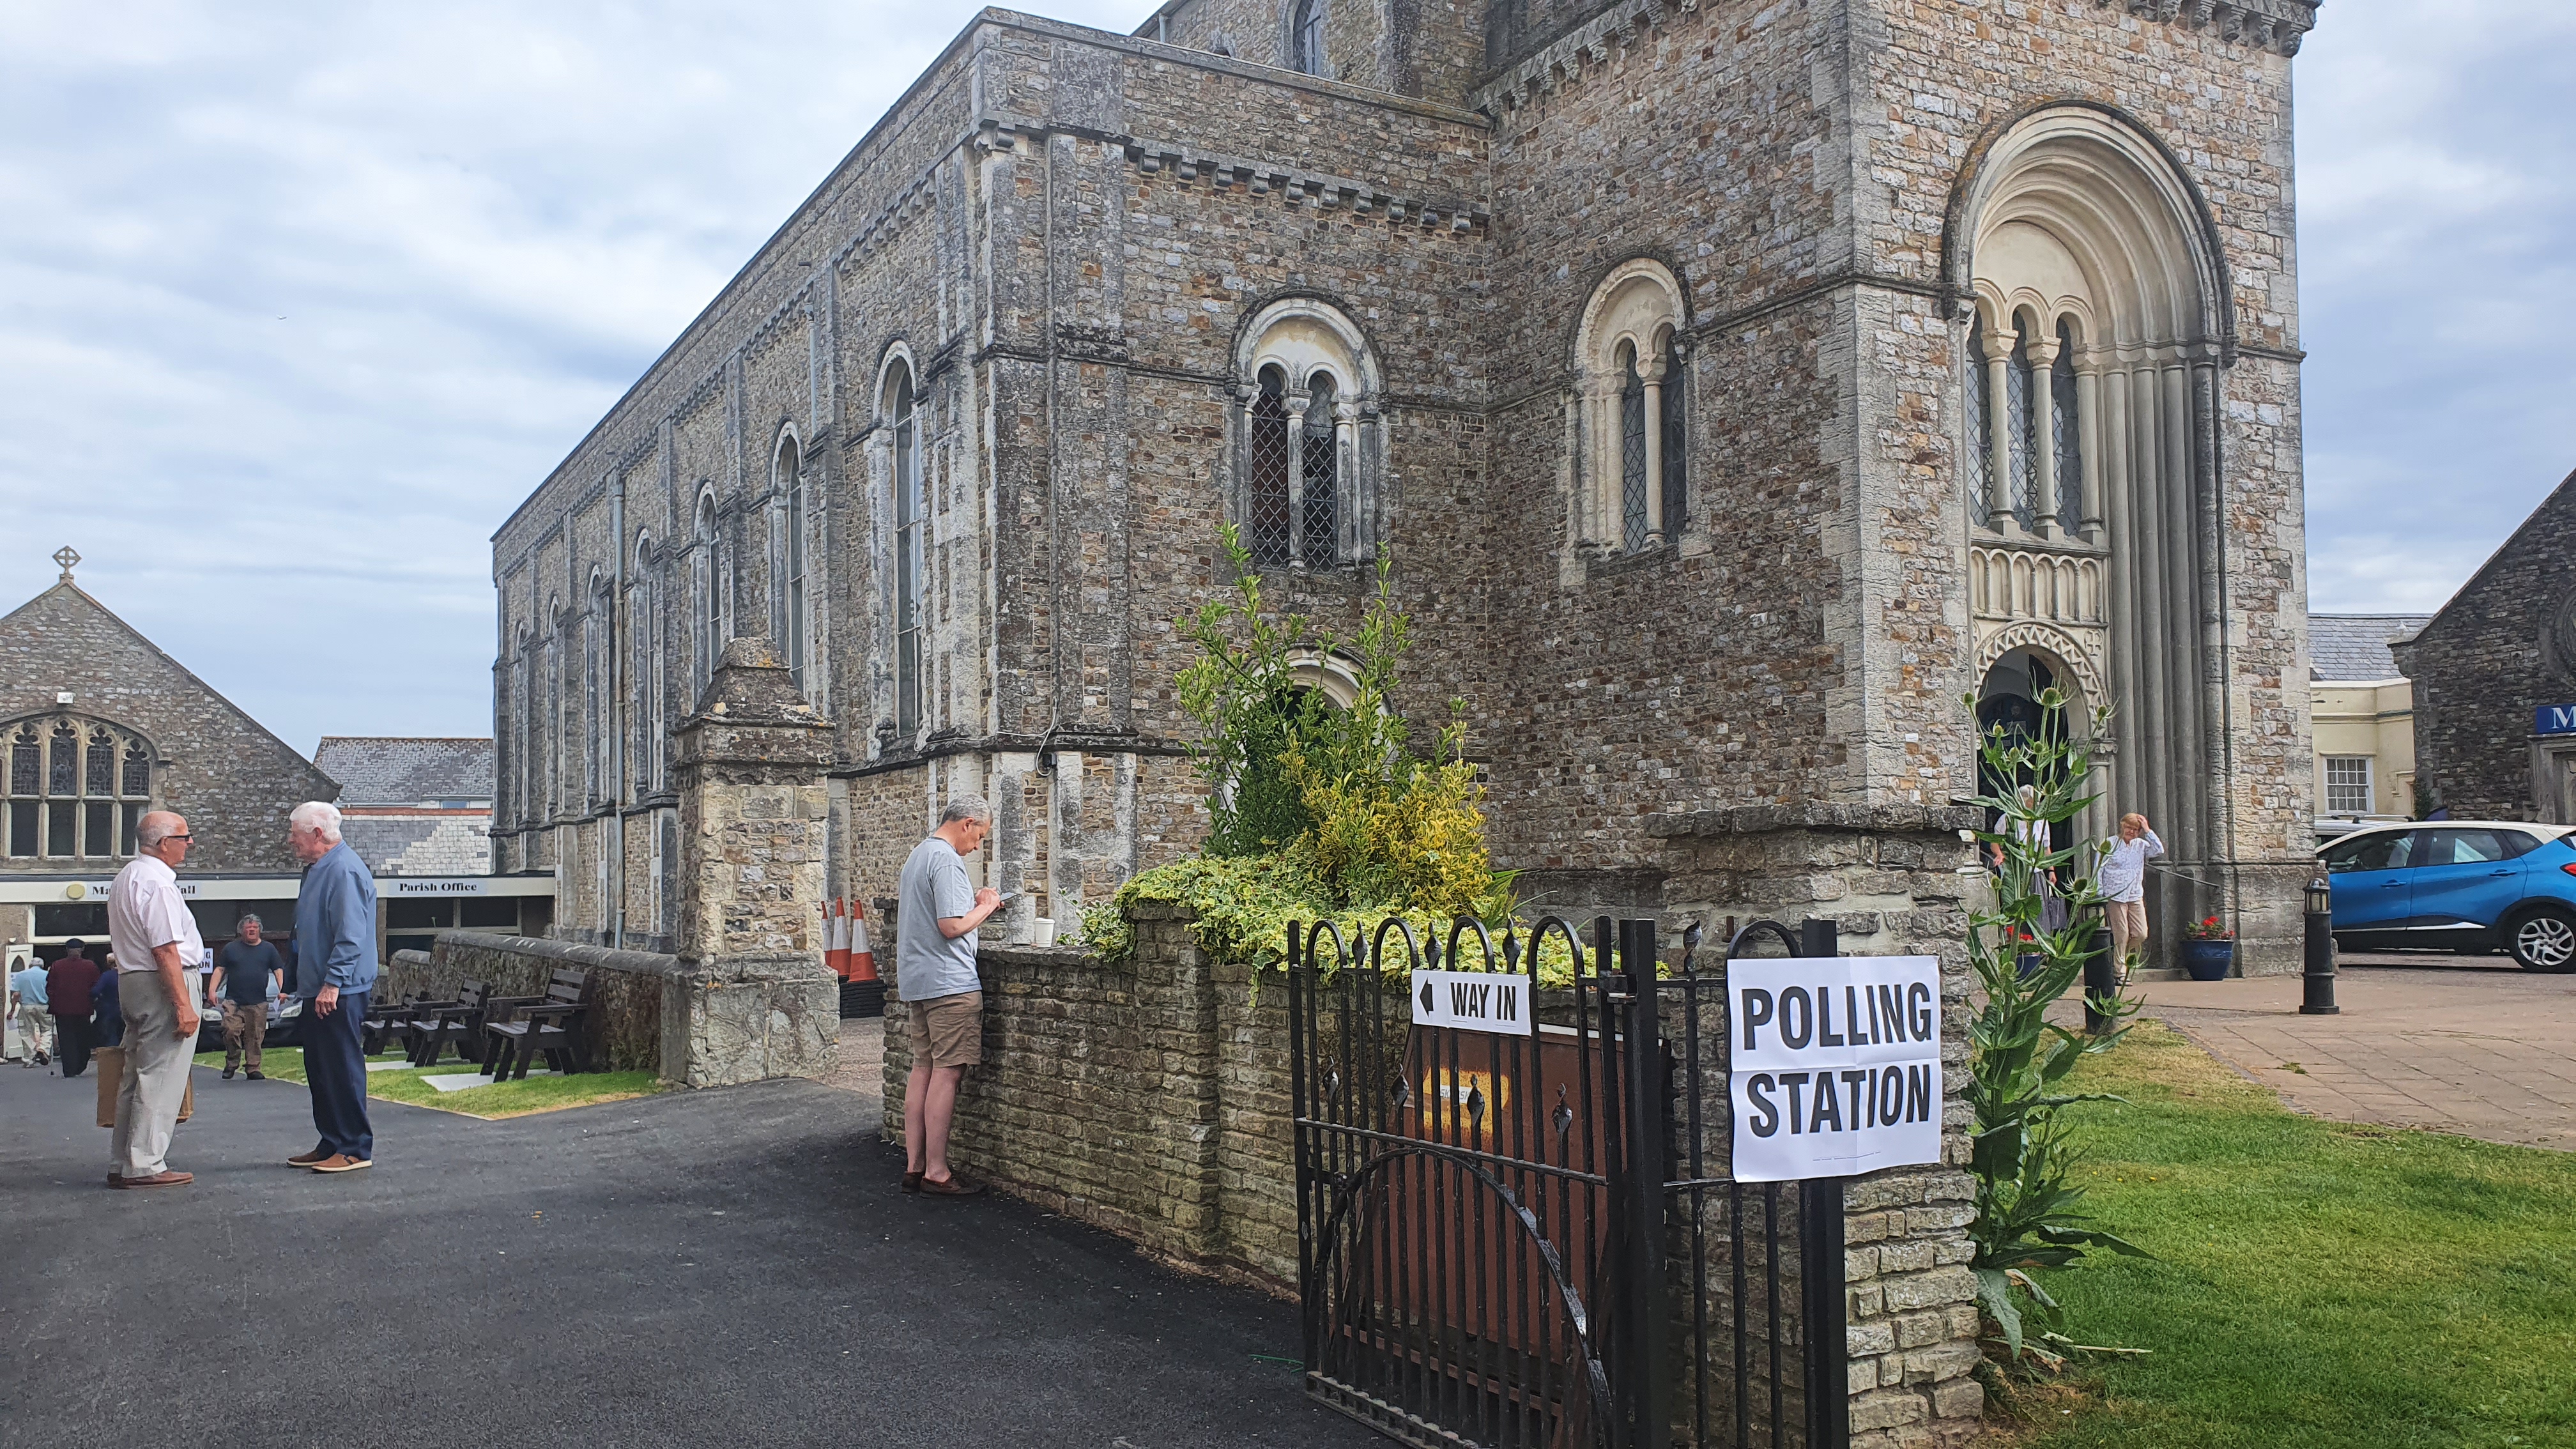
x=937, y=912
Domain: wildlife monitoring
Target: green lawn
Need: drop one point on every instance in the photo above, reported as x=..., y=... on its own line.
x=2316, y=1283
x=501, y=1099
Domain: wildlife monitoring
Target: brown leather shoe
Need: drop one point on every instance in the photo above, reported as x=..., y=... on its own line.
x=951, y=1186
x=158, y=1179
x=337, y=1162
x=307, y=1159
x=116, y=1179
x=912, y=1182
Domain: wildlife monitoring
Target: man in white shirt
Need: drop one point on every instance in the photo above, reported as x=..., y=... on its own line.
x=156, y=944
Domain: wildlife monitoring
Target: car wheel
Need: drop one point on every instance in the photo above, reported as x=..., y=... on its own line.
x=2545, y=940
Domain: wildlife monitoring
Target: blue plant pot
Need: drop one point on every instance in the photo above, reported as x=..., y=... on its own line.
x=2208, y=960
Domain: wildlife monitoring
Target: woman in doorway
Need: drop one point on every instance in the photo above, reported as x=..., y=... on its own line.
x=2122, y=880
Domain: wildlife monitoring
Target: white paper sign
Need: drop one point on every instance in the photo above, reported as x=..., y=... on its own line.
x=1471, y=1001
x=1835, y=1064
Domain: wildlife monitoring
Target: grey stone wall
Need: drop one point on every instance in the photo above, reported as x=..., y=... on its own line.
x=1151, y=1099
x=2502, y=648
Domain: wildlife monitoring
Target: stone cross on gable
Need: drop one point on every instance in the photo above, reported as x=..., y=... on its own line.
x=65, y=557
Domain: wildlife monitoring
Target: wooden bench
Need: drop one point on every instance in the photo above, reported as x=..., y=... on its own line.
x=387, y=1020
x=558, y=1027
x=436, y=1023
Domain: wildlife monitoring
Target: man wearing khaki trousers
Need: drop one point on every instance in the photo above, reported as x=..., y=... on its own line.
x=156, y=941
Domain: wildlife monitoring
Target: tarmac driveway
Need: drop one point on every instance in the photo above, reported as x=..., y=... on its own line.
x=730, y=1267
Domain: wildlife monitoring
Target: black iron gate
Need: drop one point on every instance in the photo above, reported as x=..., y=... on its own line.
x=1528, y=1237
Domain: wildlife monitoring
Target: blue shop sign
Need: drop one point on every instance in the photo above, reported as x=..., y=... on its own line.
x=2554, y=719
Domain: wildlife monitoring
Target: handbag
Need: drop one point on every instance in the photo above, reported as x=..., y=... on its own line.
x=109, y=1062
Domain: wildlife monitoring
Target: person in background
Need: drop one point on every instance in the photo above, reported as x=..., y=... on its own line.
x=335, y=968
x=106, y=1009
x=934, y=934
x=248, y=971
x=156, y=942
x=68, y=983
x=27, y=1004
x=2122, y=880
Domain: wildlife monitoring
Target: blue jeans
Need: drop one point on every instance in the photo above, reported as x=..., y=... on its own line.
x=335, y=1071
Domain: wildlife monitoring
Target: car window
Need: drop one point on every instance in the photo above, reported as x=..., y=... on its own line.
x=2517, y=842
x=2371, y=852
x=2458, y=847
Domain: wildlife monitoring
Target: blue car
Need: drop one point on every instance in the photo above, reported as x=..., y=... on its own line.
x=2471, y=885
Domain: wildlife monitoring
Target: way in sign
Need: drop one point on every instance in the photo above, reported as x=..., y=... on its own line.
x=1470, y=1000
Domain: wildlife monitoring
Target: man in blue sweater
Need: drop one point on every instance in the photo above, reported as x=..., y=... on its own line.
x=335, y=968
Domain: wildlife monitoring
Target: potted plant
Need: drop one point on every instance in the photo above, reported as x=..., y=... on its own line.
x=2208, y=949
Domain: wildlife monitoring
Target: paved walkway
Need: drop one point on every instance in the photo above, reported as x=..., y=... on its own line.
x=2467, y=1044
x=727, y=1267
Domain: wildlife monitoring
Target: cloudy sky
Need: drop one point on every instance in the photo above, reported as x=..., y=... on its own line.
x=297, y=302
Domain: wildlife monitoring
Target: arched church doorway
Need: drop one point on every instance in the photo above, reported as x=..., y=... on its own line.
x=2009, y=699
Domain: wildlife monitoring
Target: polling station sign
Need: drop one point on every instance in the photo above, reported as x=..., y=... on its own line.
x=1835, y=1064
x=1471, y=1001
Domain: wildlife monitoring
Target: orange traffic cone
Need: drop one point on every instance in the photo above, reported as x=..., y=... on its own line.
x=863, y=962
x=836, y=940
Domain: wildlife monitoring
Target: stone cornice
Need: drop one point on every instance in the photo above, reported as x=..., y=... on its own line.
x=2273, y=25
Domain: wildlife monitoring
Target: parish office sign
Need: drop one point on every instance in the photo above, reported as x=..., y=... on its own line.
x=1835, y=1066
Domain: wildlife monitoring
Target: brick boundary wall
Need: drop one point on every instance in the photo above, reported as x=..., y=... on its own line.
x=691, y=1026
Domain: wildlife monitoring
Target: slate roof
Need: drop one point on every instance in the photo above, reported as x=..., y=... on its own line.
x=2355, y=646
x=399, y=770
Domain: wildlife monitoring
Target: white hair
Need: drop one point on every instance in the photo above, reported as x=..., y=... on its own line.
x=154, y=828
x=966, y=807
x=317, y=815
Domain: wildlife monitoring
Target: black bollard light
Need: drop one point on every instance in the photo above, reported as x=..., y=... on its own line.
x=2101, y=979
x=2319, y=997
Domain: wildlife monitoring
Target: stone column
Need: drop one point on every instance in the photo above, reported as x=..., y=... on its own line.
x=1653, y=376
x=1999, y=350
x=2043, y=432
x=754, y=999
x=1297, y=479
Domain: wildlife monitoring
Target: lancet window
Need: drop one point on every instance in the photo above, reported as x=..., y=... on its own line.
x=1307, y=438
x=76, y=788
x=1632, y=386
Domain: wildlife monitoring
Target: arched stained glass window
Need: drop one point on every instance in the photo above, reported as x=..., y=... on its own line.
x=1307, y=36
x=1632, y=452
x=76, y=789
x=1267, y=495
x=1980, y=429
x=2017, y=418
x=1321, y=462
x=2068, y=432
x=911, y=512
x=703, y=642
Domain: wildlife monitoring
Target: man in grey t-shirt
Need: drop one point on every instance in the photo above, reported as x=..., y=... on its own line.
x=934, y=972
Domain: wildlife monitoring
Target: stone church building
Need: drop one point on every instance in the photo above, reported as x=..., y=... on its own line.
x=99, y=726
x=1736, y=387
x=2495, y=678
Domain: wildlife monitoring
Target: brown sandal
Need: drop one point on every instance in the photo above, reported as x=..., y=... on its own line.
x=953, y=1186
x=912, y=1182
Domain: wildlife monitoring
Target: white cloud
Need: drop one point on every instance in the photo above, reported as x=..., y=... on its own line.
x=2436, y=208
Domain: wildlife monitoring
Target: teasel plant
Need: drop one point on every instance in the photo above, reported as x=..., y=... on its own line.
x=2023, y=1147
